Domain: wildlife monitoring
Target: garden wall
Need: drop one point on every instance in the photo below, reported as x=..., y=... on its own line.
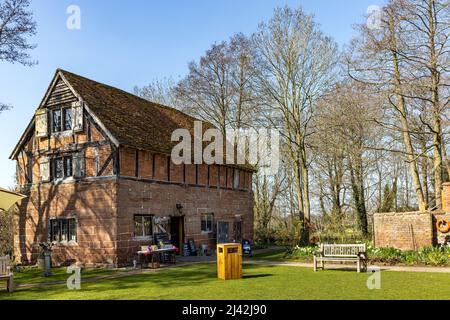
x=408, y=230
x=405, y=230
x=412, y=230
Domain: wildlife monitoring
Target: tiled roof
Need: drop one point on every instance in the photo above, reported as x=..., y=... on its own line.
x=133, y=121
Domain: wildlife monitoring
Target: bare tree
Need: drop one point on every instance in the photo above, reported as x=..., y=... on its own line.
x=218, y=87
x=16, y=25
x=295, y=64
x=425, y=30
x=375, y=59
x=161, y=91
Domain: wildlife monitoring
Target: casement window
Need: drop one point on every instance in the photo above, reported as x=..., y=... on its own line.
x=61, y=120
x=62, y=167
x=207, y=222
x=143, y=226
x=68, y=118
x=63, y=230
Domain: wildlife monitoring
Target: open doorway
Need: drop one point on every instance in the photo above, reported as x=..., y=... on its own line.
x=177, y=231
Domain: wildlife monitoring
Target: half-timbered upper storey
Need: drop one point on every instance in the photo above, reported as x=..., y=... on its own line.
x=87, y=130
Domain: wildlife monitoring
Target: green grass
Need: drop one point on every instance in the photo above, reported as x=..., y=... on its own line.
x=275, y=255
x=260, y=282
x=32, y=275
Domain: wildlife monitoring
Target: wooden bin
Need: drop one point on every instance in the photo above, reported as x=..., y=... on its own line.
x=229, y=261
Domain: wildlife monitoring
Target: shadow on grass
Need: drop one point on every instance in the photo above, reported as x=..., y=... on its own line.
x=253, y=276
x=173, y=278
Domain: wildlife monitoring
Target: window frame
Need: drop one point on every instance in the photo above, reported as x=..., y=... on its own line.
x=207, y=217
x=63, y=230
x=143, y=235
x=66, y=169
x=63, y=125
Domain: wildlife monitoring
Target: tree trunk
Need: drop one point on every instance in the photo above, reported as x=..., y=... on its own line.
x=401, y=107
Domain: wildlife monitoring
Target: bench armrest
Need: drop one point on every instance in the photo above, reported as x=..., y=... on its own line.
x=318, y=253
x=362, y=255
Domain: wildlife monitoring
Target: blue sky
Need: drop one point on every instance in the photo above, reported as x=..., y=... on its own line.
x=128, y=43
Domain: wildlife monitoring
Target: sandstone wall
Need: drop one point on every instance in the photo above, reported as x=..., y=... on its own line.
x=137, y=197
x=93, y=204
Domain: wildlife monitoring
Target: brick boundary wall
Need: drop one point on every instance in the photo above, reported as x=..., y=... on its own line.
x=407, y=230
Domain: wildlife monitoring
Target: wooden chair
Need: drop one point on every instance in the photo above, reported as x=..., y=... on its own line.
x=341, y=252
x=6, y=273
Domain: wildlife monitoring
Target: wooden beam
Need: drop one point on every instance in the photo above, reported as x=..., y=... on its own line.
x=105, y=165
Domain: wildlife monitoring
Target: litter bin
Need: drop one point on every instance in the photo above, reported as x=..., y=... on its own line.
x=229, y=261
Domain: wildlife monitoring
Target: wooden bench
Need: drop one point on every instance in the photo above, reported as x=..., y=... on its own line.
x=341, y=252
x=6, y=273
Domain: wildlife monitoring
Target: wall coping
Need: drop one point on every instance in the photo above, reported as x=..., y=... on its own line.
x=436, y=213
x=402, y=213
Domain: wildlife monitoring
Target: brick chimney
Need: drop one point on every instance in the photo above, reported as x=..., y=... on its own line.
x=446, y=197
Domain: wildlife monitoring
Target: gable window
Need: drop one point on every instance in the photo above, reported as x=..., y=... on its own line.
x=67, y=117
x=56, y=120
x=143, y=226
x=207, y=222
x=63, y=230
x=61, y=120
x=62, y=167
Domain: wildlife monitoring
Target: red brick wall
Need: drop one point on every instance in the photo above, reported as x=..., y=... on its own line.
x=161, y=168
x=393, y=230
x=127, y=162
x=105, y=209
x=176, y=173
x=145, y=164
x=94, y=206
x=446, y=197
x=214, y=176
x=191, y=172
x=202, y=174
x=223, y=176
x=136, y=197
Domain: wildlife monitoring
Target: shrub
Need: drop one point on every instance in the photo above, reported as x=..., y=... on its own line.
x=435, y=256
x=301, y=253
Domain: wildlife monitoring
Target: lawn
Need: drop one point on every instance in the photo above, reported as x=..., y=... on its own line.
x=277, y=255
x=32, y=275
x=260, y=282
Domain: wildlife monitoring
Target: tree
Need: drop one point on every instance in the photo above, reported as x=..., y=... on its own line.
x=294, y=68
x=345, y=120
x=16, y=25
x=218, y=89
x=160, y=91
x=376, y=59
x=425, y=30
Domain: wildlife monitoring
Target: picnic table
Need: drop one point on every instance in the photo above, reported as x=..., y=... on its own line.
x=155, y=256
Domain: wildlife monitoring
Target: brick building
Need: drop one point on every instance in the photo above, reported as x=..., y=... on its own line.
x=95, y=164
